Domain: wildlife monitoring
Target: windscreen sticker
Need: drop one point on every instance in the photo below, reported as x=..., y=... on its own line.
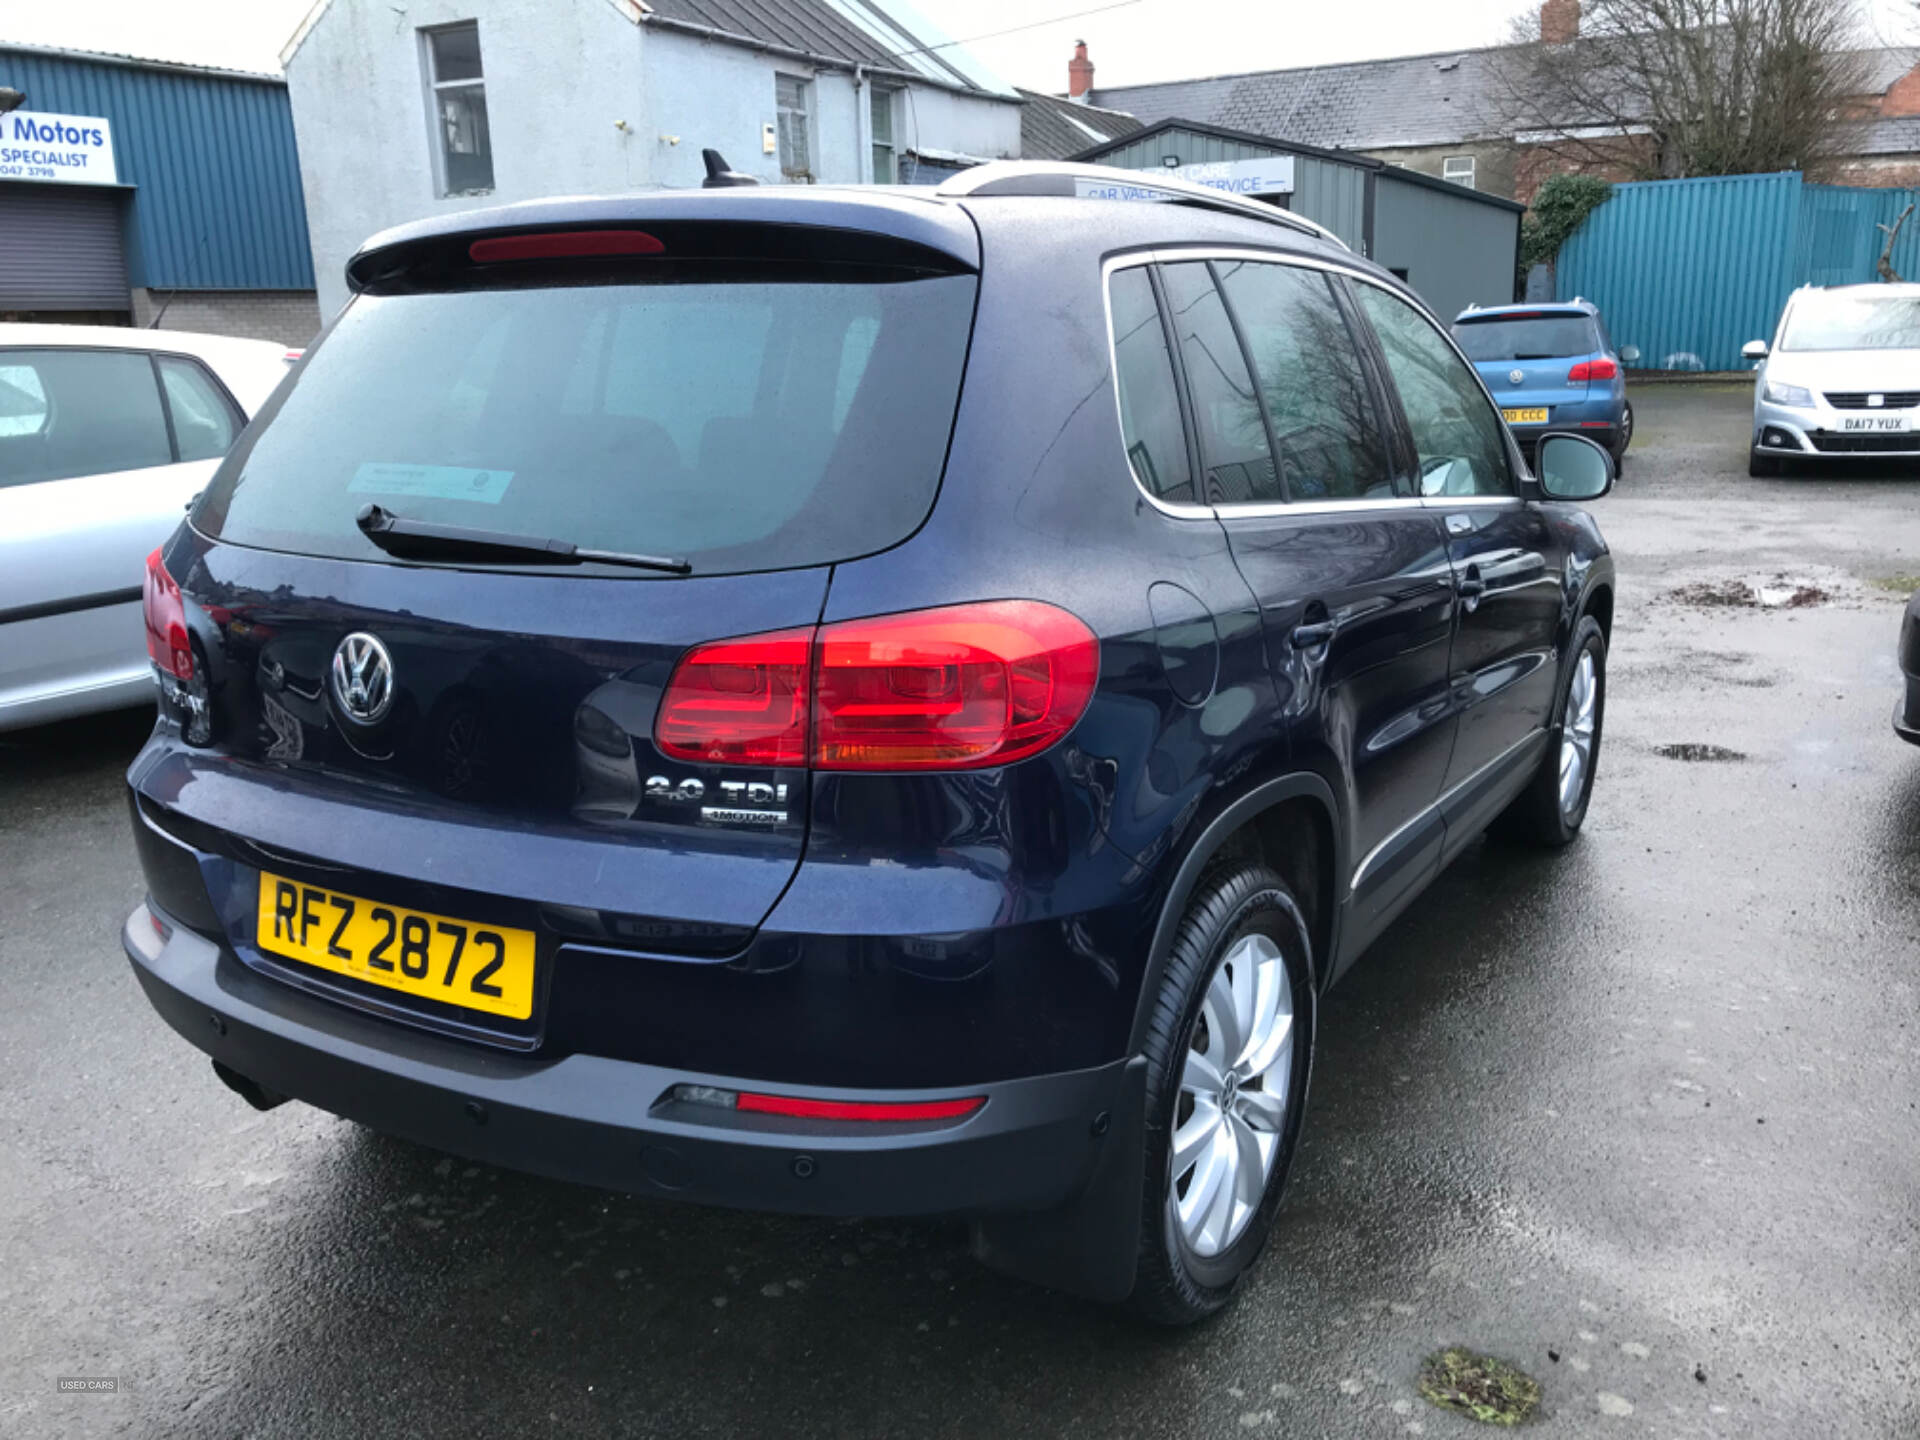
x=440, y=482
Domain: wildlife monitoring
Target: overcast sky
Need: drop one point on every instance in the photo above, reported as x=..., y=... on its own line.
x=1134, y=41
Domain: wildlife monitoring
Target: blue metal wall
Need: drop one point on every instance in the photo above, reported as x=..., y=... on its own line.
x=1690, y=270
x=217, y=202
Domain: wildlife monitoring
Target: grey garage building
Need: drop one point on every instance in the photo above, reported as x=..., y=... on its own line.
x=1455, y=246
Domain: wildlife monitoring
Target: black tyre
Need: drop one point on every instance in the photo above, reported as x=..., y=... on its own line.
x=1626, y=438
x=1228, y=1051
x=1549, y=812
x=1762, y=467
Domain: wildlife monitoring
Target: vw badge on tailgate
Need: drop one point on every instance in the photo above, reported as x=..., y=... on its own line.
x=363, y=677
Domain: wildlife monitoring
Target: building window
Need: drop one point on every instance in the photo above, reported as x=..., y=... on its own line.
x=1458, y=169
x=790, y=95
x=886, y=166
x=463, y=148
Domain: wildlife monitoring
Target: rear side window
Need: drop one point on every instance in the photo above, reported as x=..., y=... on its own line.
x=203, y=422
x=1233, y=435
x=1324, y=425
x=746, y=418
x=78, y=412
x=1543, y=337
x=1149, y=403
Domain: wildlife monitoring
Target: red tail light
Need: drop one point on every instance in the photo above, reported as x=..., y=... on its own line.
x=739, y=702
x=166, y=615
x=1602, y=369
x=962, y=687
x=956, y=688
x=565, y=245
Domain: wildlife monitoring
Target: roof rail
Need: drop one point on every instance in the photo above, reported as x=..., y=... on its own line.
x=1063, y=178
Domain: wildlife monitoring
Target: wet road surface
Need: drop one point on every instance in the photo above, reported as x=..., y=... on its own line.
x=1640, y=1118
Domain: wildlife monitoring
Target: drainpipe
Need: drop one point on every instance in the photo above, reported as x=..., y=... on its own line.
x=862, y=120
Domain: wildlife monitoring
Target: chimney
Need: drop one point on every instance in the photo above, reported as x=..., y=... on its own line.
x=1560, y=22
x=1079, y=72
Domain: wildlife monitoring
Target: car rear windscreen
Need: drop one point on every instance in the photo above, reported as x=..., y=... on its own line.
x=744, y=417
x=1542, y=337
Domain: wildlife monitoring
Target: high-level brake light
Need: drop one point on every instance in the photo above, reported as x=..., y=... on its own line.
x=564, y=245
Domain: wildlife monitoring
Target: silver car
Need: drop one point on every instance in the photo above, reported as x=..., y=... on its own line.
x=1841, y=380
x=105, y=434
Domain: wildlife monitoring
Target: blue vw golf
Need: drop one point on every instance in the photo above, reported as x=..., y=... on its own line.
x=1552, y=369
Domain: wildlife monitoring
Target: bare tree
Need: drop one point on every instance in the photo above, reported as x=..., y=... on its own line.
x=1662, y=88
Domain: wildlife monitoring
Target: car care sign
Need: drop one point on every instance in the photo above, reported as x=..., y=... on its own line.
x=66, y=149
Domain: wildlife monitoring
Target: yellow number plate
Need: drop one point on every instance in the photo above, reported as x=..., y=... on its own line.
x=481, y=967
x=1526, y=417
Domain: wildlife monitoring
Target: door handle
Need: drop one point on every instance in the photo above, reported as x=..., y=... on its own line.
x=1318, y=632
x=1470, y=587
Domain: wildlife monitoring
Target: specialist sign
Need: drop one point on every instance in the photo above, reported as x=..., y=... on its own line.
x=63, y=149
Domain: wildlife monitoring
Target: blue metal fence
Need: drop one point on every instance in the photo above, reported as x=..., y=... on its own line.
x=1690, y=270
x=217, y=203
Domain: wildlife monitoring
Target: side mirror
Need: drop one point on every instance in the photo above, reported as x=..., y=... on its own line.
x=1754, y=350
x=1630, y=354
x=1572, y=467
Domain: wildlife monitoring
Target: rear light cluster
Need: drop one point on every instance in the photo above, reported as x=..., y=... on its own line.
x=166, y=616
x=962, y=687
x=1601, y=369
x=797, y=1107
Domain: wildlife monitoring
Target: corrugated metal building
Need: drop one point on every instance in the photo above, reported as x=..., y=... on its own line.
x=1455, y=246
x=130, y=188
x=1690, y=270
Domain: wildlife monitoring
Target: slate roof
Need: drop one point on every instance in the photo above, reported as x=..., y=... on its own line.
x=876, y=33
x=1444, y=98
x=1054, y=129
x=1886, y=137
x=1435, y=99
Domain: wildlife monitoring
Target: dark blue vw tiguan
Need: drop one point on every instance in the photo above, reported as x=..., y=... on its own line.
x=855, y=702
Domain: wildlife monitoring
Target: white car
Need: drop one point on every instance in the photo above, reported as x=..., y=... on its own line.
x=1841, y=380
x=105, y=434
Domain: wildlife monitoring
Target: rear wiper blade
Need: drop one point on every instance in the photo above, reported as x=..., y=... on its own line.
x=407, y=539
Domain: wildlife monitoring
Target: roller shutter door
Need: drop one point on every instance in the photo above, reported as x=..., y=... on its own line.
x=60, y=248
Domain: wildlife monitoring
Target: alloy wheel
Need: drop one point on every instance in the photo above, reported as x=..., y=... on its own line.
x=1232, y=1107
x=1576, y=733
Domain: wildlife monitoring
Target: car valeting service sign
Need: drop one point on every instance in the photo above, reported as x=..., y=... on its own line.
x=66, y=149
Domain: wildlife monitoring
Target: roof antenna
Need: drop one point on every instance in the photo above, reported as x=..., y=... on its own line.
x=720, y=175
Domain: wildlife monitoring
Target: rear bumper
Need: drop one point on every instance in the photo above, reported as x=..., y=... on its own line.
x=1034, y=1146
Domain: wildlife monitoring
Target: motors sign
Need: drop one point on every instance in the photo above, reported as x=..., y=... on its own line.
x=64, y=149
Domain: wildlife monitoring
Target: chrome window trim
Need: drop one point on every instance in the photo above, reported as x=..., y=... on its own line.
x=1266, y=510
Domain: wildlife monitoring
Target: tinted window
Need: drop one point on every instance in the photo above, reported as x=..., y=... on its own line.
x=1547, y=337
x=1330, y=442
x=1149, y=404
x=78, y=412
x=1460, y=440
x=203, y=422
x=743, y=421
x=1233, y=438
